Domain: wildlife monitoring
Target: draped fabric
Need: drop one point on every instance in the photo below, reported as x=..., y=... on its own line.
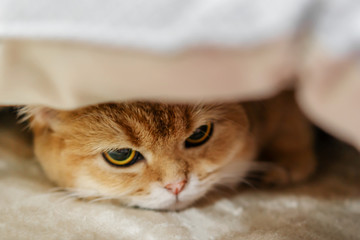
x=68, y=54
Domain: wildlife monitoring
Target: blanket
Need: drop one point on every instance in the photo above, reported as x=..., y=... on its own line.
x=67, y=55
x=326, y=207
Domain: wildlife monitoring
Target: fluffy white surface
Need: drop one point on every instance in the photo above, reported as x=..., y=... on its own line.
x=155, y=24
x=176, y=24
x=328, y=207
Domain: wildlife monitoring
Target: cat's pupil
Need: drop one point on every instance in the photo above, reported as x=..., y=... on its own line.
x=199, y=132
x=123, y=157
x=199, y=136
x=121, y=154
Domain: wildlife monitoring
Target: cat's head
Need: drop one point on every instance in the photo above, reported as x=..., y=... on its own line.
x=151, y=155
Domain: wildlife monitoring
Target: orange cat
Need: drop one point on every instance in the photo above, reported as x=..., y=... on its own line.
x=167, y=156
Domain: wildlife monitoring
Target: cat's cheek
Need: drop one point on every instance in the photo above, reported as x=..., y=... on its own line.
x=97, y=175
x=86, y=183
x=216, y=162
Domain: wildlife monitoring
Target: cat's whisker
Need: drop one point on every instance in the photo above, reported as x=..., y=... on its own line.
x=220, y=192
x=255, y=179
x=50, y=194
x=226, y=186
x=207, y=198
x=69, y=193
x=90, y=196
x=98, y=199
x=64, y=199
x=248, y=183
x=57, y=189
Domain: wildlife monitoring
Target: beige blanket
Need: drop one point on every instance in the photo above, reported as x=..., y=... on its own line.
x=327, y=207
x=177, y=50
x=66, y=75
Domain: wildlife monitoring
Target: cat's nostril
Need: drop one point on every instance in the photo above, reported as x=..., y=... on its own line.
x=177, y=187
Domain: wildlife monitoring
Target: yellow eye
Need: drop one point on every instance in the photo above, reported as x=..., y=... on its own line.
x=200, y=136
x=122, y=157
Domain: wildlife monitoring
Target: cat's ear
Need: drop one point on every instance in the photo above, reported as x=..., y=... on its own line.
x=39, y=116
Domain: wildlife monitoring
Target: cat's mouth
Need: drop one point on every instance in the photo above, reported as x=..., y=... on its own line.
x=169, y=203
x=162, y=199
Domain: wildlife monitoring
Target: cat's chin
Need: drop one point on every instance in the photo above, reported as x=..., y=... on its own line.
x=166, y=204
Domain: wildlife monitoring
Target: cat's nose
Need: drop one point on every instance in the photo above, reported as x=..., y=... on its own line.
x=177, y=187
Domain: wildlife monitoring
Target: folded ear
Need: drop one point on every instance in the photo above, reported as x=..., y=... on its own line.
x=39, y=116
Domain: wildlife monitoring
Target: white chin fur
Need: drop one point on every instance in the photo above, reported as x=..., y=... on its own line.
x=162, y=199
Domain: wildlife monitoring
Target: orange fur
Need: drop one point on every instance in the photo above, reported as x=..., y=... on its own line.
x=69, y=145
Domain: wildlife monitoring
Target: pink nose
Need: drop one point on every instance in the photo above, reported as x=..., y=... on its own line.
x=177, y=187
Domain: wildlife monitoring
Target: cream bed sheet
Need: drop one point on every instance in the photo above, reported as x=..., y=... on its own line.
x=327, y=207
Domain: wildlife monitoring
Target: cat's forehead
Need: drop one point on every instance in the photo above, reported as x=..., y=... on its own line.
x=145, y=121
x=149, y=113
x=159, y=119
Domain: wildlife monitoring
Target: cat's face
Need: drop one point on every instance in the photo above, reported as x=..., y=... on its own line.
x=151, y=155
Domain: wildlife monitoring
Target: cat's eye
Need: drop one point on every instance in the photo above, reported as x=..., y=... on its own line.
x=200, y=136
x=123, y=157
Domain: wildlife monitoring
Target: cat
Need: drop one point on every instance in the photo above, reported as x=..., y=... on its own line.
x=166, y=156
